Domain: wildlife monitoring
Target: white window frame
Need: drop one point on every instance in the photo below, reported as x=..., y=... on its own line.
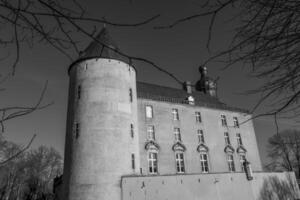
x=198, y=117
x=200, y=136
x=239, y=139
x=179, y=160
x=151, y=132
x=227, y=138
x=230, y=162
x=149, y=112
x=175, y=114
x=177, y=134
x=223, y=120
x=152, y=162
x=236, y=122
x=204, y=162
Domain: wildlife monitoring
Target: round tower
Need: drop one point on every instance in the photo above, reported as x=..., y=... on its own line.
x=101, y=139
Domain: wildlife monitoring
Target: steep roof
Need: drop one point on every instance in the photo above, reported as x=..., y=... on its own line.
x=173, y=95
x=102, y=46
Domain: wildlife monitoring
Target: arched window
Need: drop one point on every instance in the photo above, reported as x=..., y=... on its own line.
x=152, y=162
x=204, y=162
x=179, y=158
x=230, y=162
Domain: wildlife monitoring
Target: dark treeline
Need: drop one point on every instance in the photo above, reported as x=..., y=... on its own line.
x=28, y=176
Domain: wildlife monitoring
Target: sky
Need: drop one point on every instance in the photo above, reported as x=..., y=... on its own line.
x=179, y=50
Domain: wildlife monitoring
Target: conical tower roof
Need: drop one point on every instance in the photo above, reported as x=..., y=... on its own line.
x=102, y=47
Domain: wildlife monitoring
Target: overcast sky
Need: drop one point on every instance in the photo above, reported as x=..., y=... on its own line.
x=180, y=50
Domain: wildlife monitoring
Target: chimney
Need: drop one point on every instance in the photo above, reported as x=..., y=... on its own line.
x=187, y=86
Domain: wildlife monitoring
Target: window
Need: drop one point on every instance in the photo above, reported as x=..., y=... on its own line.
x=198, y=117
x=204, y=162
x=230, y=163
x=223, y=120
x=132, y=161
x=130, y=94
x=150, y=132
x=78, y=92
x=149, y=112
x=239, y=139
x=227, y=139
x=152, y=162
x=236, y=122
x=177, y=134
x=179, y=162
x=77, y=130
x=132, y=130
x=175, y=114
x=242, y=160
x=200, y=136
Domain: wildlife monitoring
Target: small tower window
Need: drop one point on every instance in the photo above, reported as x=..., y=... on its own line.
x=239, y=139
x=78, y=92
x=149, y=112
x=175, y=114
x=227, y=139
x=177, y=134
x=132, y=161
x=77, y=130
x=198, y=117
x=200, y=136
x=132, y=130
x=130, y=94
x=236, y=122
x=151, y=133
x=179, y=157
x=223, y=120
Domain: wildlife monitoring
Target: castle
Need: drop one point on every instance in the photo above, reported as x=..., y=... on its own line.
x=128, y=140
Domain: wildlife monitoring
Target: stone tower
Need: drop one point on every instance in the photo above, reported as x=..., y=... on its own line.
x=101, y=138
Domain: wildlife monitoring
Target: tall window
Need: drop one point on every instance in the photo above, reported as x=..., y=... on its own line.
x=242, y=160
x=149, y=111
x=175, y=114
x=204, y=162
x=239, y=139
x=152, y=162
x=230, y=163
x=130, y=94
x=77, y=130
x=200, y=136
x=198, y=117
x=132, y=130
x=223, y=120
x=132, y=161
x=227, y=139
x=151, y=132
x=179, y=162
x=236, y=122
x=78, y=92
x=177, y=134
